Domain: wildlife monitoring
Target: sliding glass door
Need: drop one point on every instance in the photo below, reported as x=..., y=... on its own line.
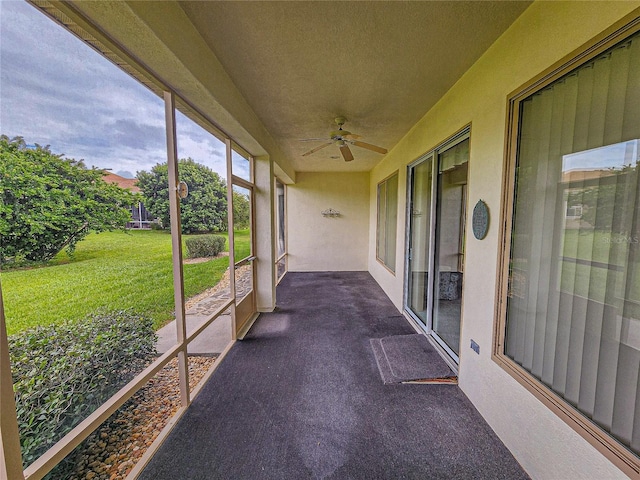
x=436, y=235
x=449, y=244
x=420, y=178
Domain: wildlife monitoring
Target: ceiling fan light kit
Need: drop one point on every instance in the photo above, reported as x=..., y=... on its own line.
x=342, y=139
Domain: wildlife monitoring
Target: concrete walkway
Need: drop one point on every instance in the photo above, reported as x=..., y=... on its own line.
x=216, y=336
x=212, y=340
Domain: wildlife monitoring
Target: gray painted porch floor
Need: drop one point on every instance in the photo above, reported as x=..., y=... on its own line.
x=301, y=397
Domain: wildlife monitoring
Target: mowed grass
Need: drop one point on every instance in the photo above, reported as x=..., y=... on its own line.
x=109, y=271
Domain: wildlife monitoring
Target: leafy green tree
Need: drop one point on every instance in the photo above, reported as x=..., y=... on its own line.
x=241, y=210
x=204, y=209
x=48, y=202
x=602, y=202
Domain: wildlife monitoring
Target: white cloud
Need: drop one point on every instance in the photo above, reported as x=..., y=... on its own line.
x=194, y=142
x=57, y=91
x=615, y=156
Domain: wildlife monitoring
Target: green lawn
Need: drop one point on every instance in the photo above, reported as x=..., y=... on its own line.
x=598, y=265
x=113, y=270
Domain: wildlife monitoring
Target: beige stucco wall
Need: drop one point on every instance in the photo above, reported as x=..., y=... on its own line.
x=265, y=242
x=545, y=446
x=316, y=243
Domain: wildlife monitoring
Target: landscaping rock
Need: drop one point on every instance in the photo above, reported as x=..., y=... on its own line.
x=112, y=451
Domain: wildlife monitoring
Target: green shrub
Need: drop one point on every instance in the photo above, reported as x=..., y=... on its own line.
x=204, y=246
x=49, y=203
x=63, y=372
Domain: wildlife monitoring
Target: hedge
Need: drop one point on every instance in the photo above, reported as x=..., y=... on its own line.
x=204, y=246
x=62, y=373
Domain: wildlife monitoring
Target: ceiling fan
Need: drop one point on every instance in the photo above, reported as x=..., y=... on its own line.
x=343, y=139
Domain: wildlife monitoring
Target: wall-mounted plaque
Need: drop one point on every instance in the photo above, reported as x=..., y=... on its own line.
x=480, y=220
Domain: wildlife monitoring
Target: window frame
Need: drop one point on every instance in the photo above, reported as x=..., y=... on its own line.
x=606, y=444
x=379, y=238
x=280, y=219
x=70, y=19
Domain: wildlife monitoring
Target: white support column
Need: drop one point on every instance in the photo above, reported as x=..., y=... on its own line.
x=265, y=235
x=176, y=246
x=232, y=257
x=10, y=455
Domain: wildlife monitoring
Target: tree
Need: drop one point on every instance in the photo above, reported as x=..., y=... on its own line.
x=204, y=209
x=241, y=210
x=48, y=202
x=603, y=201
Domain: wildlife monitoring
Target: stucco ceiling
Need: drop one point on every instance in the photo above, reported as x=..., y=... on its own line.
x=382, y=65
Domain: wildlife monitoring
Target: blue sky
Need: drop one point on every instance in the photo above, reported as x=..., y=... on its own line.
x=55, y=90
x=613, y=156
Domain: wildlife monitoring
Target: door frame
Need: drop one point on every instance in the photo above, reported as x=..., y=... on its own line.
x=245, y=309
x=427, y=328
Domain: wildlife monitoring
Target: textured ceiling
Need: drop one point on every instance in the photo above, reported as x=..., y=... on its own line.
x=382, y=65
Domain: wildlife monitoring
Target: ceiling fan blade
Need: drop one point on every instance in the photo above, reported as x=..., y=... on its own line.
x=352, y=136
x=368, y=146
x=313, y=150
x=346, y=153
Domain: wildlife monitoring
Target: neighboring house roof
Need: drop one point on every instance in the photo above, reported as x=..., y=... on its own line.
x=586, y=175
x=126, y=183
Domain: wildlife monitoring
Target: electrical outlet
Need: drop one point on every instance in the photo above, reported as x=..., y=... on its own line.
x=475, y=347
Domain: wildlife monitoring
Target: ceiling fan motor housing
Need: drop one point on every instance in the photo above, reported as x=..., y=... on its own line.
x=339, y=134
x=342, y=138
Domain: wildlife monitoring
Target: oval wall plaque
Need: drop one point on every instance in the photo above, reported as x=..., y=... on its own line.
x=480, y=221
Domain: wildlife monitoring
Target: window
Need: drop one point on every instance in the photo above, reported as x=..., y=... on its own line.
x=570, y=318
x=387, y=221
x=281, y=259
x=121, y=126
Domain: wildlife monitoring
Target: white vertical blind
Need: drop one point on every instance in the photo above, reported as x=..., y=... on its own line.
x=382, y=220
x=392, y=221
x=454, y=156
x=280, y=216
x=387, y=221
x=573, y=312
